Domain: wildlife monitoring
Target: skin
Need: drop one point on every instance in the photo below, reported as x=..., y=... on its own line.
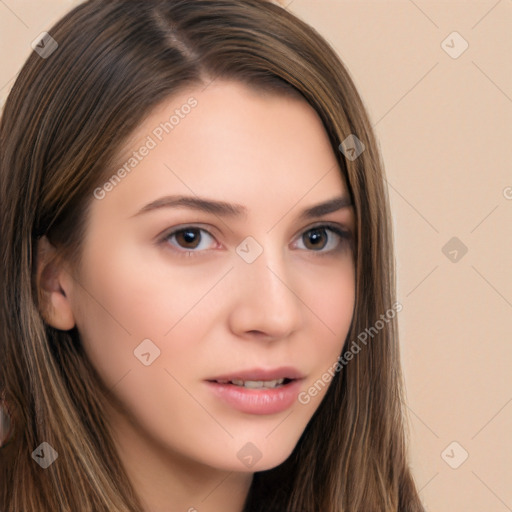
x=210, y=313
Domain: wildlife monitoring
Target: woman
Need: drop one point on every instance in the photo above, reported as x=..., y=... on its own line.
x=256, y=369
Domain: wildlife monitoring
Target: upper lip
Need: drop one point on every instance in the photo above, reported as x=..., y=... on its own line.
x=262, y=374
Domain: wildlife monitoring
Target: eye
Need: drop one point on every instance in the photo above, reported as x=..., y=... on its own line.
x=318, y=240
x=190, y=239
x=326, y=238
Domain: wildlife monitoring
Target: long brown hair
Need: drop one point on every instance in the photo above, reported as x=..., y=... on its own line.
x=62, y=124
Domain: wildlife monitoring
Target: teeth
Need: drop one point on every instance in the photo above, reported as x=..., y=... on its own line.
x=257, y=384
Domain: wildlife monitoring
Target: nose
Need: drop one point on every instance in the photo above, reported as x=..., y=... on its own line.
x=265, y=304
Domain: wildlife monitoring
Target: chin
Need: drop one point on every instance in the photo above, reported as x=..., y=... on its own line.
x=260, y=455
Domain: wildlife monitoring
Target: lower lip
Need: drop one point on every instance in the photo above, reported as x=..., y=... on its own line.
x=257, y=401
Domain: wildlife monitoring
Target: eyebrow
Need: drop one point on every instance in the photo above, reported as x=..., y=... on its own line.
x=225, y=209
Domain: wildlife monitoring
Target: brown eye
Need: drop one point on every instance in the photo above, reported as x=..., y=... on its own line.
x=316, y=238
x=325, y=239
x=189, y=240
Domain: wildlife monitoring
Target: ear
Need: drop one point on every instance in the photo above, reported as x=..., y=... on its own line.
x=53, y=285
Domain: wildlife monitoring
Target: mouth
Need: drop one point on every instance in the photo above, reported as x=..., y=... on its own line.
x=259, y=378
x=255, y=384
x=258, y=391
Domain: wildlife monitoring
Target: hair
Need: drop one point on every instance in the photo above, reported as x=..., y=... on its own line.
x=62, y=126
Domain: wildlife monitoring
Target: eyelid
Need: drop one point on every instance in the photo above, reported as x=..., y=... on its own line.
x=335, y=226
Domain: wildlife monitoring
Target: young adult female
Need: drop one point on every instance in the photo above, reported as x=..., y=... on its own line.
x=195, y=239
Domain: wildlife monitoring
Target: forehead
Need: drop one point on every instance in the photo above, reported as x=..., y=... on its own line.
x=231, y=142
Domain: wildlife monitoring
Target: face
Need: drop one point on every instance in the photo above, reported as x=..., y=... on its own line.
x=194, y=313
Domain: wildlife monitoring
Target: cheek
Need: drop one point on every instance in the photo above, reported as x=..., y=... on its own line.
x=337, y=304
x=103, y=305
x=129, y=298
x=331, y=300
x=330, y=295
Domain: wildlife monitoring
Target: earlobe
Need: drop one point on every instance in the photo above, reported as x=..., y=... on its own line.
x=52, y=281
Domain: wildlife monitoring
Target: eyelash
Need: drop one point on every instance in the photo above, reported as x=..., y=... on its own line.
x=344, y=235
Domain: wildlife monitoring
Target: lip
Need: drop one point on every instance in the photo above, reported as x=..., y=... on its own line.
x=283, y=372
x=257, y=401
x=262, y=401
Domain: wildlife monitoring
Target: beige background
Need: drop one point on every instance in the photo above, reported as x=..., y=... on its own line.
x=444, y=126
